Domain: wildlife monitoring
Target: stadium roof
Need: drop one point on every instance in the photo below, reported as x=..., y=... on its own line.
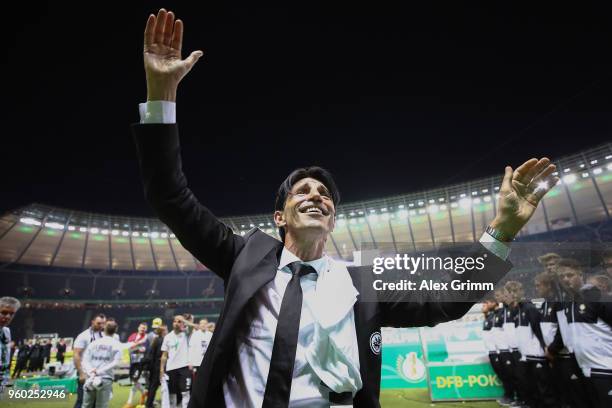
x=54, y=237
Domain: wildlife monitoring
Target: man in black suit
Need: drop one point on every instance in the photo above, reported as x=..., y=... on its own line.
x=294, y=329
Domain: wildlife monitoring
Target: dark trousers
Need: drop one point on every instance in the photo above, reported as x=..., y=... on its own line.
x=79, y=400
x=571, y=380
x=600, y=388
x=509, y=363
x=544, y=396
x=19, y=367
x=498, y=368
x=153, y=386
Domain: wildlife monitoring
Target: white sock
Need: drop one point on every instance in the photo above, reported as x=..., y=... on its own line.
x=131, y=396
x=185, y=401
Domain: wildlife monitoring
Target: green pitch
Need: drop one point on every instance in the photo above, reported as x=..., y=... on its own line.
x=388, y=398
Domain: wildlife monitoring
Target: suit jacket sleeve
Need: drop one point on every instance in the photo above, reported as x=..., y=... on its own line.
x=428, y=308
x=165, y=187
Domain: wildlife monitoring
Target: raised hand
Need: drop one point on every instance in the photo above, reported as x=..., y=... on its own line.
x=164, y=68
x=521, y=192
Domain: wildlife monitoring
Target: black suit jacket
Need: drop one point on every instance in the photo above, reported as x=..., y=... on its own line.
x=246, y=263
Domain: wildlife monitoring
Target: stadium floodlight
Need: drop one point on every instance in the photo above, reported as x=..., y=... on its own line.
x=145, y=234
x=597, y=171
x=341, y=215
x=30, y=221
x=371, y=211
x=593, y=161
x=352, y=213
x=360, y=212
x=54, y=225
x=474, y=193
x=609, y=166
x=155, y=235
x=431, y=201
x=569, y=179
x=496, y=188
x=252, y=225
x=585, y=174
x=242, y=232
x=422, y=211
x=400, y=206
x=608, y=157
x=555, y=173
x=465, y=202
x=420, y=203
x=566, y=170
x=135, y=234
x=411, y=205
x=454, y=205
x=242, y=226
x=485, y=190
x=487, y=199
x=384, y=209
x=114, y=232
x=83, y=229
x=94, y=230
x=164, y=235
x=125, y=233
x=542, y=185
x=582, y=165
x=261, y=224
x=462, y=195
x=104, y=232
x=441, y=199
x=172, y=236
x=71, y=228
x=476, y=200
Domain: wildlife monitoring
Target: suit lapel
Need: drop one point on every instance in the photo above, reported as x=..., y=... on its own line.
x=255, y=266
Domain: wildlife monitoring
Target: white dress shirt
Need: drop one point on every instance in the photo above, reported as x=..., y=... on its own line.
x=246, y=383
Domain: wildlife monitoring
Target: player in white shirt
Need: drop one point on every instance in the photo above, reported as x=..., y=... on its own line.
x=93, y=332
x=98, y=363
x=198, y=343
x=175, y=363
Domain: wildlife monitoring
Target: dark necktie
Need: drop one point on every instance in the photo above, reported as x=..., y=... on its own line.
x=278, y=386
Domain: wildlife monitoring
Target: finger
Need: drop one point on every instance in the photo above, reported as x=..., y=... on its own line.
x=149, y=33
x=169, y=26
x=523, y=169
x=177, y=36
x=159, y=26
x=506, y=184
x=544, y=174
x=537, y=168
x=192, y=59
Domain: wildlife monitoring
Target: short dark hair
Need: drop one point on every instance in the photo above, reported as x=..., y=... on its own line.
x=315, y=172
x=100, y=315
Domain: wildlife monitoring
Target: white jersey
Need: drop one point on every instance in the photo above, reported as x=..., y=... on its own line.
x=177, y=347
x=102, y=355
x=198, y=344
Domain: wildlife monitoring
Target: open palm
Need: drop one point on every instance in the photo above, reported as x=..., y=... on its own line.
x=163, y=38
x=522, y=190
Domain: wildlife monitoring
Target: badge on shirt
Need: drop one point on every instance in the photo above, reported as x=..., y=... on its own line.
x=375, y=342
x=582, y=308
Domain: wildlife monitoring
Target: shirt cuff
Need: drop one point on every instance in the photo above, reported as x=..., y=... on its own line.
x=157, y=112
x=499, y=248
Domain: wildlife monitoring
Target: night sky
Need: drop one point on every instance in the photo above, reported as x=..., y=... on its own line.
x=391, y=100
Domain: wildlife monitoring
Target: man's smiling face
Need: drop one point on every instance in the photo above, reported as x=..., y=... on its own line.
x=309, y=209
